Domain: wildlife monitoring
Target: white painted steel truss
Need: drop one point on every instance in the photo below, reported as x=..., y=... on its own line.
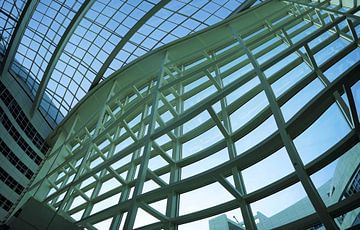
x=123, y=148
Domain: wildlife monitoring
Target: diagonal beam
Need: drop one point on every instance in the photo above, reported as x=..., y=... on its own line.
x=300, y=171
x=8, y=15
x=138, y=188
x=59, y=48
x=125, y=39
x=23, y=21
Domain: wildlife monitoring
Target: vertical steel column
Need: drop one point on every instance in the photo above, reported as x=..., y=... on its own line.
x=246, y=211
x=130, y=218
x=173, y=200
x=115, y=224
x=65, y=204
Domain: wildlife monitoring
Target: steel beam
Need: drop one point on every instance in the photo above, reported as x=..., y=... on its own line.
x=126, y=39
x=288, y=143
x=19, y=30
x=178, y=77
x=58, y=51
x=155, y=95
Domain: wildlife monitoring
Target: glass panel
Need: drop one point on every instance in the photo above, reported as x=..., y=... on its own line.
x=267, y=171
x=205, y=164
x=253, y=138
x=322, y=134
x=248, y=111
x=344, y=64
x=290, y=79
x=197, y=199
x=292, y=106
x=202, y=141
x=331, y=50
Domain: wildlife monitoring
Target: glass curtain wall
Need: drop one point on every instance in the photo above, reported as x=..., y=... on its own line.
x=246, y=117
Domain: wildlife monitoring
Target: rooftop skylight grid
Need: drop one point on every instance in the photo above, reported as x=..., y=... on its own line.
x=10, y=12
x=177, y=19
x=43, y=33
x=97, y=35
x=105, y=25
x=102, y=27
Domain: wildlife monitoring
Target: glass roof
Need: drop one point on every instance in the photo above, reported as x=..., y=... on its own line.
x=68, y=47
x=44, y=31
x=9, y=15
x=177, y=19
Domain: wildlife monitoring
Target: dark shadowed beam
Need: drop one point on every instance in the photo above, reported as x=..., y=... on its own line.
x=21, y=24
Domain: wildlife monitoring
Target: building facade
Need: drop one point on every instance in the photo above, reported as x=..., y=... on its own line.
x=23, y=143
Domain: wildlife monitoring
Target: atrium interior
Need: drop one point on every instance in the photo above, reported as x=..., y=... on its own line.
x=179, y=114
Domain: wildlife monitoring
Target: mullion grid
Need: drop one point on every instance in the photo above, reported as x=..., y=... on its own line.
x=90, y=62
x=229, y=146
x=131, y=53
x=126, y=191
x=147, y=145
x=172, y=207
x=289, y=145
x=9, y=19
x=311, y=62
x=237, y=176
x=11, y=182
x=326, y=83
x=131, y=175
x=22, y=120
x=140, y=47
x=14, y=160
x=35, y=155
x=119, y=170
x=180, y=126
x=182, y=120
x=90, y=150
x=68, y=96
x=42, y=42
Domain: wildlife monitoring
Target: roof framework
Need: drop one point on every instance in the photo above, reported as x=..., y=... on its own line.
x=62, y=56
x=23, y=15
x=153, y=108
